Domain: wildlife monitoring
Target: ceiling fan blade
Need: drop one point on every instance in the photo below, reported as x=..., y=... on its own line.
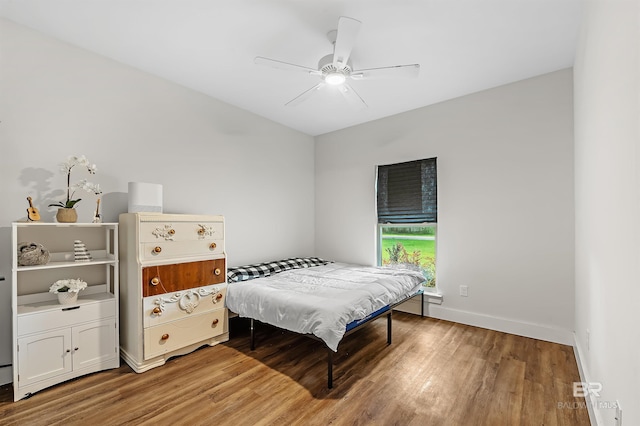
x=352, y=96
x=345, y=40
x=304, y=95
x=284, y=65
x=397, y=71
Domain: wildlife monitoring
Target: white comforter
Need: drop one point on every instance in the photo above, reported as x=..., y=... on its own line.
x=321, y=300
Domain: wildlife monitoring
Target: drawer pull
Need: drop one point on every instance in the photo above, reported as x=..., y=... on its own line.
x=215, y=322
x=201, y=231
x=155, y=281
x=156, y=310
x=218, y=296
x=75, y=349
x=172, y=231
x=212, y=246
x=216, y=271
x=68, y=350
x=165, y=337
x=157, y=249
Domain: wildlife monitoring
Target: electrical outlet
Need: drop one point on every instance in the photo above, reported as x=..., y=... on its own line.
x=618, y=414
x=588, y=339
x=464, y=291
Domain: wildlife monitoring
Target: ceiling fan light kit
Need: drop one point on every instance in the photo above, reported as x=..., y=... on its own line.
x=336, y=68
x=335, y=78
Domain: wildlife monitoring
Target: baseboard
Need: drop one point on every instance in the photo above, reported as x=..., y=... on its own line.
x=584, y=377
x=520, y=328
x=6, y=375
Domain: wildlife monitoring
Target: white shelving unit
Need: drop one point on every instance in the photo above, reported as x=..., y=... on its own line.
x=52, y=342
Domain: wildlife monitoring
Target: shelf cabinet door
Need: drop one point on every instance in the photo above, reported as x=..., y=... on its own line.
x=94, y=343
x=44, y=355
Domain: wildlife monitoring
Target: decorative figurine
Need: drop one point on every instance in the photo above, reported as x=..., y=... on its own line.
x=96, y=216
x=80, y=252
x=32, y=213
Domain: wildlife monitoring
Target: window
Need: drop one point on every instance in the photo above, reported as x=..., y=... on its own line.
x=408, y=215
x=409, y=244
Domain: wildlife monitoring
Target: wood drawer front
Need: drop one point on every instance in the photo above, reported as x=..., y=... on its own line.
x=168, y=337
x=173, y=306
x=178, y=249
x=65, y=316
x=180, y=231
x=182, y=276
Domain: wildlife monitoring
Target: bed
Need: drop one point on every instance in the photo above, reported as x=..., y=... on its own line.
x=321, y=299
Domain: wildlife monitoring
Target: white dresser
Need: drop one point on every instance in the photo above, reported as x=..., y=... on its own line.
x=52, y=342
x=172, y=286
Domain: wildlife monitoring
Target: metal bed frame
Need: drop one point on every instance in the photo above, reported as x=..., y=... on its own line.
x=388, y=312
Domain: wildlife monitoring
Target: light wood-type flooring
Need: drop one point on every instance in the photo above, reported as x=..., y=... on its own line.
x=434, y=373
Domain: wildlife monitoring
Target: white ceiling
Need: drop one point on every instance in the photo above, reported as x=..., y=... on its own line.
x=463, y=46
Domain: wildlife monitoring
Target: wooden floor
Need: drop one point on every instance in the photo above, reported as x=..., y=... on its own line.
x=435, y=373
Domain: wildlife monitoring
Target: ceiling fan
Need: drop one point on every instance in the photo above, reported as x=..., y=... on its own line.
x=335, y=68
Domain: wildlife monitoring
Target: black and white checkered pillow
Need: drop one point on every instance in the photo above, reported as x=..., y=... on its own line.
x=258, y=270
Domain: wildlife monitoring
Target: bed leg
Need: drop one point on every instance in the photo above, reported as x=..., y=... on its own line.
x=329, y=368
x=389, y=328
x=253, y=335
x=422, y=305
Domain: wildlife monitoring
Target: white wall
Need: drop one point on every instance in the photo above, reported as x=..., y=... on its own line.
x=607, y=182
x=505, y=200
x=57, y=100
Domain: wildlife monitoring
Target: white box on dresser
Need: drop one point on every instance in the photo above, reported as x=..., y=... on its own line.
x=52, y=342
x=173, y=284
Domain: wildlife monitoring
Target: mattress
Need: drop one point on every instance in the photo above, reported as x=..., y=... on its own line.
x=322, y=300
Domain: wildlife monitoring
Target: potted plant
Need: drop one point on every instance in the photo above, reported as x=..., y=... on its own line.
x=66, y=209
x=67, y=290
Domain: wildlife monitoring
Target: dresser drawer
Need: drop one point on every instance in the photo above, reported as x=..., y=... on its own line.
x=65, y=316
x=180, y=231
x=162, y=279
x=177, y=249
x=173, y=306
x=171, y=336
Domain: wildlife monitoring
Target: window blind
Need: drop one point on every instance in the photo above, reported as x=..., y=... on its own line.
x=408, y=192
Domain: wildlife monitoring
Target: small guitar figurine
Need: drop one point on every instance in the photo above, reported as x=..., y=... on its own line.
x=32, y=213
x=96, y=216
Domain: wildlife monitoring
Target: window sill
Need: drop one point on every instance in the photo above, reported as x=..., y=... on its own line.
x=432, y=296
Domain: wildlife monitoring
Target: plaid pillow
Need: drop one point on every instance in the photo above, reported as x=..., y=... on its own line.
x=258, y=270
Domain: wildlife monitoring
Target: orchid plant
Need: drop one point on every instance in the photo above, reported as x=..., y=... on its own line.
x=70, y=285
x=66, y=168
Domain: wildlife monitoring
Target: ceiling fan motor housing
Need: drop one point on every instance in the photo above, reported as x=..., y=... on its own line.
x=326, y=67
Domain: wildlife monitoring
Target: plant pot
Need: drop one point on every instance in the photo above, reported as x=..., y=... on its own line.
x=67, y=297
x=65, y=215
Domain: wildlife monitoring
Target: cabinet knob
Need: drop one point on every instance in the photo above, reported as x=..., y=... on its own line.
x=156, y=310
x=215, y=322
x=201, y=231
x=216, y=271
x=68, y=350
x=155, y=281
x=164, y=337
x=172, y=231
x=157, y=249
x=75, y=349
x=218, y=296
x=212, y=246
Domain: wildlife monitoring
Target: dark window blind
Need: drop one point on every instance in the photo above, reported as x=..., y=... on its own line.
x=408, y=192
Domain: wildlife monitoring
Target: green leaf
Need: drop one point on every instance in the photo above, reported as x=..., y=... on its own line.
x=71, y=203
